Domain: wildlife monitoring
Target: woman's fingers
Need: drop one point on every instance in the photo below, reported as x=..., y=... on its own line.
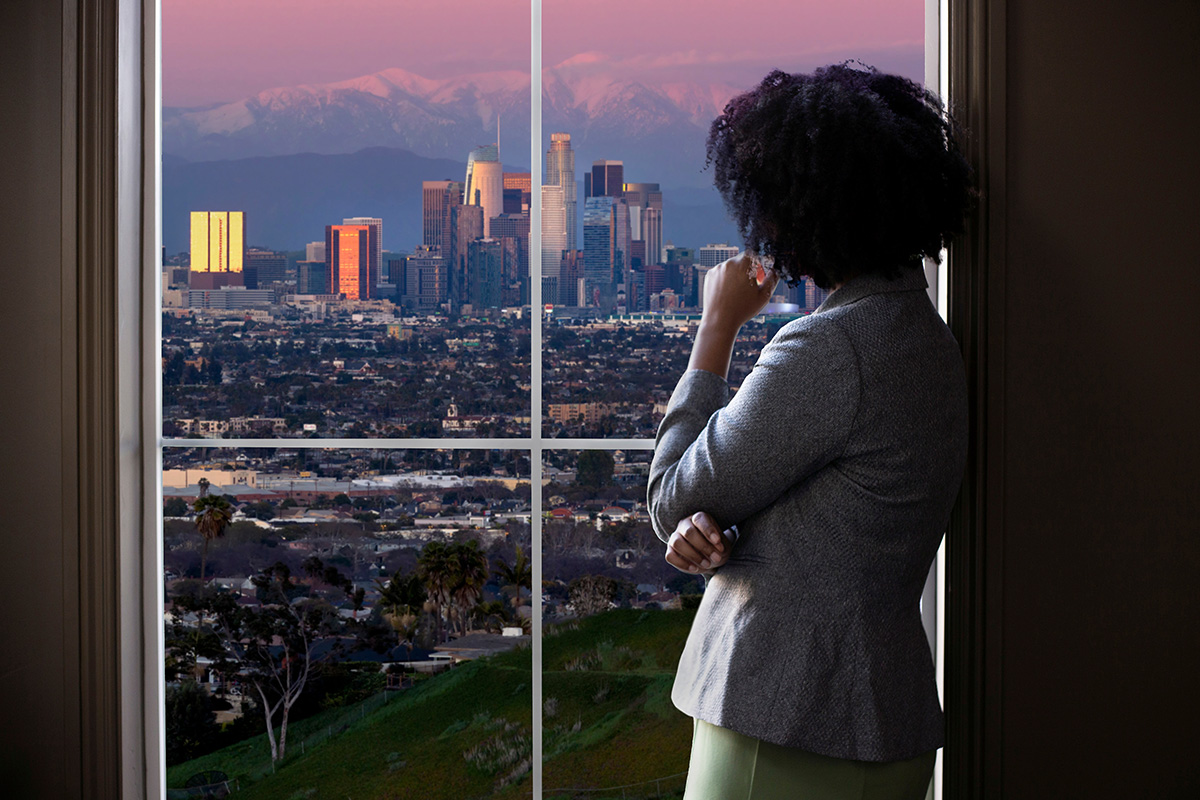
x=709, y=527
x=696, y=544
x=683, y=555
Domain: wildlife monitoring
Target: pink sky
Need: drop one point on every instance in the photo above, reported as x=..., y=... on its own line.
x=222, y=50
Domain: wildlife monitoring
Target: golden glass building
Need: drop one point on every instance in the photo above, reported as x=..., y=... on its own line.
x=348, y=251
x=218, y=241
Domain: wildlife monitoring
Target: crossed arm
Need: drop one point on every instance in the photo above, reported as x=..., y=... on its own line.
x=717, y=461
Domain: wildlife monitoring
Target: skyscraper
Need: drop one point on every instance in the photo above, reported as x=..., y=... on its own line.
x=486, y=264
x=466, y=225
x=712, y=254
x=516, y=279
x=554, y=241
x=605, y=247
x=485, y=183
x=813, y=295
x=608, y=179
x=218, y=249
x=517, y=192
x=560, y=171
x=312, y=277
x=572, y=286
x=218, y=241
x=376, y=254
x=264, y=267
x=645, y=218
x=436, y=199
x=349, y=252
x=425, y=279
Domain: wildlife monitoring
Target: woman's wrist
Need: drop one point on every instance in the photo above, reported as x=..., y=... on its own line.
x=713, y=347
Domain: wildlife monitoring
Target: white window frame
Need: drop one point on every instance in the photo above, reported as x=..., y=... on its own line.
x=139, y=293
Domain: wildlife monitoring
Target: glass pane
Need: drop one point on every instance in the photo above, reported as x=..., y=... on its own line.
x=378, y=593
x=616, y=616
x=631, y=221
x=345, y=219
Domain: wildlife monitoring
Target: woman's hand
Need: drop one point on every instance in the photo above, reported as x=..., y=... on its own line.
x=697, y=544
x=734, y=292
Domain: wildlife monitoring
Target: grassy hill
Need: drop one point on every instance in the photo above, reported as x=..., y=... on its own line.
x=608, y=721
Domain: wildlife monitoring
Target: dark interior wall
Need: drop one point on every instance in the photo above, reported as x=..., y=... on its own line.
x=39, y=634
x=1100, y=381
x=1101, y=394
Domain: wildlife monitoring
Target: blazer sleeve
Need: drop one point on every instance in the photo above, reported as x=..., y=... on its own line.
x=732, y=458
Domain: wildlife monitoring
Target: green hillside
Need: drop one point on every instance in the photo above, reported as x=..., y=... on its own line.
x=468, y=733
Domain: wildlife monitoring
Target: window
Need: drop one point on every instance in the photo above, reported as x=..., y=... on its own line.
x=478, y=361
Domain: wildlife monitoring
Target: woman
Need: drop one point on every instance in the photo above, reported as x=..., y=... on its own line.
x=807, y=669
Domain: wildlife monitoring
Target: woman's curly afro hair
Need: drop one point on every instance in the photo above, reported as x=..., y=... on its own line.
x=840, y=172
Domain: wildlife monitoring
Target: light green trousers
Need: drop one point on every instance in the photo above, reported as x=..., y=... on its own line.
x=727, y=765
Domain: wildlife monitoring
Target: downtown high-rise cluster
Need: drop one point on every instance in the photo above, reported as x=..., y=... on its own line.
x=474, y=252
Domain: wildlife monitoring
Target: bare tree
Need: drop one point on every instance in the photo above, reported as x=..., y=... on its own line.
x=275, y=643
x=591, y=594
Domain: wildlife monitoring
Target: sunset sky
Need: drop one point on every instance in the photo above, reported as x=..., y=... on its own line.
x=224, y=50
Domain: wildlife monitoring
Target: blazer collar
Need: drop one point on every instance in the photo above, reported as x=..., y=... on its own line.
x=873, y=283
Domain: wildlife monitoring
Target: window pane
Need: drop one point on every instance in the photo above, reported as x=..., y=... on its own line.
x=631, y=221
x=392, y=577
x=614, y=631
x=345, y=219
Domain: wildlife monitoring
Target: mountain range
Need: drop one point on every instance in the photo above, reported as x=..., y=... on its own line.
x=657, y=130
x=298, y=158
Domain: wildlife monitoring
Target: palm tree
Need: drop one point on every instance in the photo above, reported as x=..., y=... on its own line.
x=518, y=575
x=213, y=515
x=435, y=568
x=400, y=600
x=470, y=575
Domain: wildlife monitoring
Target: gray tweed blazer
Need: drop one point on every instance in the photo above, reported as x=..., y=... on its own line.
x=838, y=460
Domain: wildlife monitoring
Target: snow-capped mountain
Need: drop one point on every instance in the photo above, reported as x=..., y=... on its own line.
x=658, y=130
x=393, y=108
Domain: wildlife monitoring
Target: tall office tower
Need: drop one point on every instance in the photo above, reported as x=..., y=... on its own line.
x=218, y=241
x=560, y=171
x=425, y=280
x=813, y=295
x=605, y=248
x=635, y=291
x=637, y=254
x=437, y=197
x=572, y=286
x=608, y=179
x=645, y=217
x=518, y=192
x=393, y=268
x=672, y=253
x=681, y=276
x=486, y=264
x=218, y=249
x=312, y=277
x=466, y=225
x=712, y=254
x=485, y=183
x=376, y=254
x=314, y=251
x=700, y=273
x=554, y=240
x=350, y=254
x=264, y=267
x=515, y=227
x=656, y=279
